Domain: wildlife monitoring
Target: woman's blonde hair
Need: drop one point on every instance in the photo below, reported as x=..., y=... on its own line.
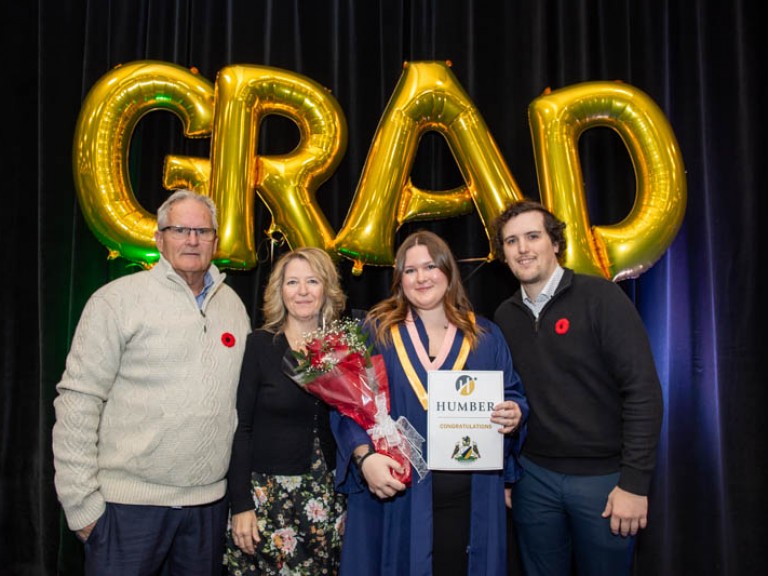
x=321, y=264
x=457, y=306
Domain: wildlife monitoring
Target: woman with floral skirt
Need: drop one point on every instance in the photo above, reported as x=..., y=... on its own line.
x=285, y=516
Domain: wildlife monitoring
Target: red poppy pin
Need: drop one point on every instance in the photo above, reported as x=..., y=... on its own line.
x=562, y=325
x=228, y=339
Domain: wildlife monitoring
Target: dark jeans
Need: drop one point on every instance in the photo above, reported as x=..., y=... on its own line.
x=131, y=540
x=558, y=517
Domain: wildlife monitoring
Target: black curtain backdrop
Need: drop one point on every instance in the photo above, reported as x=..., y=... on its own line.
x=700, y=61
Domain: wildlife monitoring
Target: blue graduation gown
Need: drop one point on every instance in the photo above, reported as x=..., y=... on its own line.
x=394, y=537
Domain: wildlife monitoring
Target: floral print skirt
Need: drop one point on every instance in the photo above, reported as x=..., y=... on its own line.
x=301, y=523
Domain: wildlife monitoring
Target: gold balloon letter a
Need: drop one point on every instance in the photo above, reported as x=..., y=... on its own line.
x=286, y=183
x=427, y=97
x=627, y=249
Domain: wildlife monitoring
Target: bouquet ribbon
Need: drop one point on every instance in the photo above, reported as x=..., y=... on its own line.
x=397, y=438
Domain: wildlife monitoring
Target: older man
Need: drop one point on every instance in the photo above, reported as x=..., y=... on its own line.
x=145, y=411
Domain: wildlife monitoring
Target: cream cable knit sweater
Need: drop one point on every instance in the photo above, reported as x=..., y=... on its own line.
x=146, y=407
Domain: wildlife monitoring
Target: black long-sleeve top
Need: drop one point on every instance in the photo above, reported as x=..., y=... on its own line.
x=591, y=381
x=277, y=420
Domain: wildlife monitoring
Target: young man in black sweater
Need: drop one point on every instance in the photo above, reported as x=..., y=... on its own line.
x=596, y=404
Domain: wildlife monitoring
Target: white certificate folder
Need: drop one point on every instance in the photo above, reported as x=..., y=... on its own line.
x=460, y=434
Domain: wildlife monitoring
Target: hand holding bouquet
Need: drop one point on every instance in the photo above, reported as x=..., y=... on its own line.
x=336, y=366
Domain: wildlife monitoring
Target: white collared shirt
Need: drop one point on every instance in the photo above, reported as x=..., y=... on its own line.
x=546, y=293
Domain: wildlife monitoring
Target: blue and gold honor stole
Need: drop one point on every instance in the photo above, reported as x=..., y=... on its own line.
x=405, y=361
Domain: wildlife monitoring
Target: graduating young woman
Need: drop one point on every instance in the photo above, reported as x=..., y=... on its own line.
x=449, y=522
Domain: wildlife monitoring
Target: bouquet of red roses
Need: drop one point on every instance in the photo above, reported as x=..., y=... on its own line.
x=336, y=366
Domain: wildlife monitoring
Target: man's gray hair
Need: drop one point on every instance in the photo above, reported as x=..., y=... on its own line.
x=162, y=212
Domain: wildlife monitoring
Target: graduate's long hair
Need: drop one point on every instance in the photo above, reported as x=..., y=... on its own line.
x=394, y=309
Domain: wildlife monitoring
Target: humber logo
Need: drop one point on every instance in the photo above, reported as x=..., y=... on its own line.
x=465, y=385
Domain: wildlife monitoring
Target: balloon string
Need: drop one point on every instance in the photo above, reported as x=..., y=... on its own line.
x=483, y=262
x=272, y=243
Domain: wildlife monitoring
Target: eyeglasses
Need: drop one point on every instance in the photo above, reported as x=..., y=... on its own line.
x=183, y=232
